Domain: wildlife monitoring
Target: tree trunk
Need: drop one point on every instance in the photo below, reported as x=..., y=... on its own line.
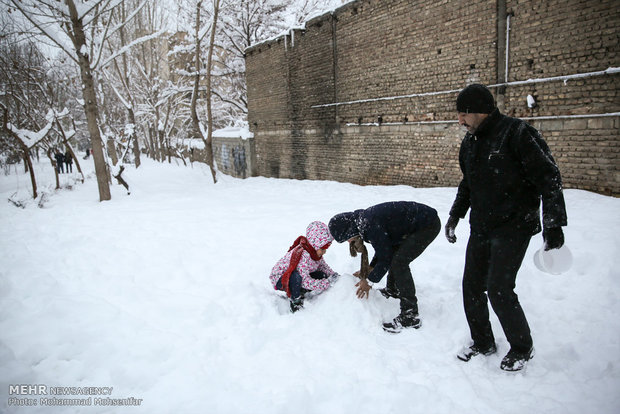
x=120, y=179
x=29, y=163
x=163, y=148
x=154, y=147
x=209, y=140
x=136, y=145
x=151, y=143
x=24, y=148
x=55, y=166
x=136, y=151
x=69, y=148
x=112, y=151
x=165, y=136
x=194, y=102
x=125, y=77
x=90, y=102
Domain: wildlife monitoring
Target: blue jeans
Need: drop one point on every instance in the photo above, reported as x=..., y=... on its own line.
x=294, y=283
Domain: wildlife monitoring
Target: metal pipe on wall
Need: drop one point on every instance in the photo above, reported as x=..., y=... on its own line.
x=507, y=46
x=501, y=52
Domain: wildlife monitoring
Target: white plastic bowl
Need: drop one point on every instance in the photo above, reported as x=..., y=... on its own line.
x=555, y=261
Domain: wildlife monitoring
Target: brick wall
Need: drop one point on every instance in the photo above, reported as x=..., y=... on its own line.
x=368, y=50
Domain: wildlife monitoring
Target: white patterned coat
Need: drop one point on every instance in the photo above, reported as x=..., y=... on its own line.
x=318, y=236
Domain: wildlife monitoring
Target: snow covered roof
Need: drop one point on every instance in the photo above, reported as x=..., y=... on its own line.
x=233, y=132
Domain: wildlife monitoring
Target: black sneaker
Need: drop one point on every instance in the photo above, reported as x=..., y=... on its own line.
x=389, y=293
x=297, y=304
x=406, y=319
x=516, y=361
x=468, y=353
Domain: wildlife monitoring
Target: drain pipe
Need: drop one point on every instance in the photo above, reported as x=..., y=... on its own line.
x=334, y=21
x=501, y=53
x=507, y=45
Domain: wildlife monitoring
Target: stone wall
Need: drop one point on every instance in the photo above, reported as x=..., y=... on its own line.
x=235, y=156
x=395, y=68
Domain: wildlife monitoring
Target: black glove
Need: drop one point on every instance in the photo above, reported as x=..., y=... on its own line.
x=450, y=228
x=553, y=237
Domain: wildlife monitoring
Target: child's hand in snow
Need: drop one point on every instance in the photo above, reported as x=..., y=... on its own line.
x=363, y=289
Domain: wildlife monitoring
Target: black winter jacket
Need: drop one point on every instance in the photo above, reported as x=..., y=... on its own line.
x=385, y=226
x=507, y=169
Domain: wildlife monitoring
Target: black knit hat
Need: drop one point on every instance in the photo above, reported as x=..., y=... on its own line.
x=476, y=99
x=343, y=226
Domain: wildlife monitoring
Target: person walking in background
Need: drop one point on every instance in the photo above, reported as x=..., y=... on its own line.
x=60, y=161
x=69, y=162
x=507, y=169
x=399, y=231
x=302, y=269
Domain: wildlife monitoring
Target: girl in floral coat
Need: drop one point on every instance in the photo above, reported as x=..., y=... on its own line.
x=303, y=269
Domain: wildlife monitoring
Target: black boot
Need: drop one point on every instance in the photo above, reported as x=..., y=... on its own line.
x=388, y=292
x=297, y=304
x=468, y=353
x=516, y=361
x=406, y=319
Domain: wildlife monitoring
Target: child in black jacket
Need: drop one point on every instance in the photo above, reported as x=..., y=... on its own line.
x=399, y=231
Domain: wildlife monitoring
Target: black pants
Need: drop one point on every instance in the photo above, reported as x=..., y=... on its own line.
x=399, y=276
x=491, y=265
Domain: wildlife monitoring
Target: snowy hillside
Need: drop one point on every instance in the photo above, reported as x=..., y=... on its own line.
x=163, y=295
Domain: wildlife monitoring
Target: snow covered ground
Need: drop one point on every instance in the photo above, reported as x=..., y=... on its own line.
x=164, y=296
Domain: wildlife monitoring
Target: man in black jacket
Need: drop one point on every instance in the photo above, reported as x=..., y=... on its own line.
x=399, y=231
x=507, y=169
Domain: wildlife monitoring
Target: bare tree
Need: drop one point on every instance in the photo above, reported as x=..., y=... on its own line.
x=26, y=140
x=122, y=71
x=161, y=95
x=25, y=95
x=209, y=138
x=198, y=72
x=66, y=135
x=88, y=26
x=243, y=24
x=248, y=22
x=199, y=34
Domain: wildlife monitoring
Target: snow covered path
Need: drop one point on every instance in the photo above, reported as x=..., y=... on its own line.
x=164, y=296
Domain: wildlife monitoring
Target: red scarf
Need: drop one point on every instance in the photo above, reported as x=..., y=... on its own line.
x=298, y=247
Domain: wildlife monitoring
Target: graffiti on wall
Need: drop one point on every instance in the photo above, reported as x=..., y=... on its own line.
x=239, y=161
x=225, y=158
x=233, y=160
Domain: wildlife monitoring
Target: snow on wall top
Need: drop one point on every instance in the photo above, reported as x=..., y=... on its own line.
x=316, y=16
